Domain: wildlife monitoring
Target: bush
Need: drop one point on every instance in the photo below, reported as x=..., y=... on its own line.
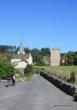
x=28, y=71
x=5, y=68
x=40, y=63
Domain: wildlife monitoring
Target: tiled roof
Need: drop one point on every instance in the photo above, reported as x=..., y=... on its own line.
x=21, y=56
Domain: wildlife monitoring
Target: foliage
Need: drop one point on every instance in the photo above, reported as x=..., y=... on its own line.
x=5, y=67
x=28, y=71
x=45, y=51
x=40, y=63
x=27, y=50
x=66, y=73
x=36, y=55
x=46, y=60
x=70, y=58
x=39, y=55
x=64, y=69
x=7, y=48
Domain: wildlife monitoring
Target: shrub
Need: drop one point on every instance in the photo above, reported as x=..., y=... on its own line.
x=40, y=63
x=5, y=68
x=28, y=71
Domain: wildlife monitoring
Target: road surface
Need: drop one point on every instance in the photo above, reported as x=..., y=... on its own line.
x=38, y=94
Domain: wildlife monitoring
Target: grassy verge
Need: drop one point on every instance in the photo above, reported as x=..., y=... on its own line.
x=63, y=72
x=57, y=68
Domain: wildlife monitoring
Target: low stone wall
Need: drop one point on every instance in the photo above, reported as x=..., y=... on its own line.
x=65, y=87
x=67, y=76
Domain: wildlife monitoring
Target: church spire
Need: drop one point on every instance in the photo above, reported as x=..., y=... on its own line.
x=21, y=49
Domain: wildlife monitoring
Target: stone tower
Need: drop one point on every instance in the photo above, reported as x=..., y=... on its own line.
x=55, y=57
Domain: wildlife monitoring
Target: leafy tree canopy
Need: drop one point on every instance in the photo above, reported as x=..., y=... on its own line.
x=5, y=67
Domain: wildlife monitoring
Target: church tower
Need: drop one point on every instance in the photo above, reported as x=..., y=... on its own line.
x=21, y=49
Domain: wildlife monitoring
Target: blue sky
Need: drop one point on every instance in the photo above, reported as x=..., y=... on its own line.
x=39, y=23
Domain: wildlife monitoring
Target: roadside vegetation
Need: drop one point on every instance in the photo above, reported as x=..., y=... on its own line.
x=28, y=72
x=68, y=73
x=5, y=68
x=58, y=69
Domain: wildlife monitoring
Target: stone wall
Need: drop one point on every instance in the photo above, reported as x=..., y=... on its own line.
x=55, y=57
x=65, y=87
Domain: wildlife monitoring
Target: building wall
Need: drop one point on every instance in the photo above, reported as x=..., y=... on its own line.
x=55, y=57
x=15, y=60
x=30, y=60
x=21, y=65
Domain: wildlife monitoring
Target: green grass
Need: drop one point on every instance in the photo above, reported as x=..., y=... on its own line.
x=60, y=71
x=65, y=69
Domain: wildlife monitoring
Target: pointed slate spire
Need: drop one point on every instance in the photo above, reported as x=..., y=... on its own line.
x=21, y=49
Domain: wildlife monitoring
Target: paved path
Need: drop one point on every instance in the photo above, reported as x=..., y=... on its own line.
x=38, y=94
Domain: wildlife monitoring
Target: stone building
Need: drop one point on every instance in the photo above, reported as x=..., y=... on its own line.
x=55, y=57
x=21, y=59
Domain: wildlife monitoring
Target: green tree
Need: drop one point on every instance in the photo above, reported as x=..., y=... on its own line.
x=36, y=55
x=39, y=55
x=70, y=58
x=27, y=50
x=5, y=67
x=28, y=71
x=7, y=48
x=45, y=51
